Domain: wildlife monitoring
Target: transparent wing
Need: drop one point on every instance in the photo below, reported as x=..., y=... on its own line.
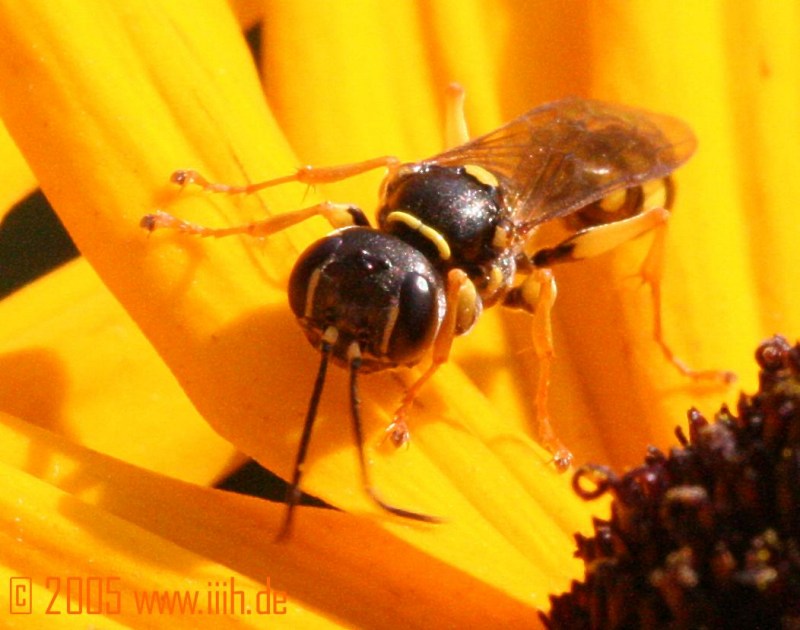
x=566, y=154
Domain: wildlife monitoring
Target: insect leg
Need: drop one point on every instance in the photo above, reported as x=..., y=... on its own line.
x=457, y=287
x=355, y=414
x=310, y=175
x=537, y=294
x=652, y=272
x=456, y=131
x=599, y=239
x=337, y=214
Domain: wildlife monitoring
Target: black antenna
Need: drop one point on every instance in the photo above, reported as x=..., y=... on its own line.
x=293, y=493
x=355, y=412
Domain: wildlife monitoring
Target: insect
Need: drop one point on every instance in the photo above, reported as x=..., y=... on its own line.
x=457, y=233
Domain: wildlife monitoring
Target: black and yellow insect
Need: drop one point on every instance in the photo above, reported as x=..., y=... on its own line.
x=456, y=233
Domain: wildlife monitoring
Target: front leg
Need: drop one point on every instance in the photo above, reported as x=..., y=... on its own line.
x=337, y=214
x=462, y=306
x=310, y=175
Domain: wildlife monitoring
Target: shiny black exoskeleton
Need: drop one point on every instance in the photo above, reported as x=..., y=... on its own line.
x=451, y=201
x=385, y=288
x=465, y=211
x=375, y=290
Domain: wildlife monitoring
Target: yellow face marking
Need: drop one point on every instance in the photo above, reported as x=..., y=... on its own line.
x=310, y=291
x=482, y=175
x=388, y=329
x=427, y=231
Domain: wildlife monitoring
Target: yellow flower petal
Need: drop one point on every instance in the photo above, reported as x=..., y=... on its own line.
x=216, y=311
x=346, y=103
x=249, y=13
x=74, y=362
x=114, y=176
x=16, y=180
x=686, y=62
x=69, y=513
x=173, y=534
x=766, y=131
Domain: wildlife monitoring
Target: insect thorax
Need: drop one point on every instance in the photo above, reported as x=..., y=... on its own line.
x=457, y=217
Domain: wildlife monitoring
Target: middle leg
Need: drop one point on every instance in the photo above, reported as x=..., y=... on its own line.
x=536, y=295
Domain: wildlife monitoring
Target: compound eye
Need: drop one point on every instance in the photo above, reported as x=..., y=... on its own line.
x=417, y=319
